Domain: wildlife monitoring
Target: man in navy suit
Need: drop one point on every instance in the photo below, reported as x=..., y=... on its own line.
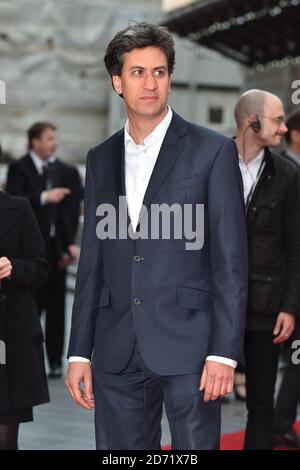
x=159, y=318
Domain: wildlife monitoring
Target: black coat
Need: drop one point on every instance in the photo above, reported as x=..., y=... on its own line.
x=273, y=224
x=23, y=376
x=24, y=180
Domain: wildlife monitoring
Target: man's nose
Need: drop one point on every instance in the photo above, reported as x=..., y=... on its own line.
x=283, y=128
x=150, y=82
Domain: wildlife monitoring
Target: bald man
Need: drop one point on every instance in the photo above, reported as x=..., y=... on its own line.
x=272, y=199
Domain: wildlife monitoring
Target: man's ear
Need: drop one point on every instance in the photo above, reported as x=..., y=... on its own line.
x=117, y=85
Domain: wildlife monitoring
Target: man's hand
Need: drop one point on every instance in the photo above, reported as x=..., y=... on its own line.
x=5, y=268
x=56, y=195
x=216, y=380
x=80, y=373
x=74, y=252
x=285, y=325
x=69, y=258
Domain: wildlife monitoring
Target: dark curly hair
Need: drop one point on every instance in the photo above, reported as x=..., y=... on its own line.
x=137, y=36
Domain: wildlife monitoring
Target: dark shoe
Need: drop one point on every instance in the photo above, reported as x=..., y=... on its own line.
x=55, y=372
x=290, y=439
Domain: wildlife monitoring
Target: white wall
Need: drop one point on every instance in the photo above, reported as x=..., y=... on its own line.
x=51, y=61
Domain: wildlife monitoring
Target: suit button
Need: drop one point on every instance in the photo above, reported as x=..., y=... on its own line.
x=254, y=209
x=136, y=301
x=138, y=258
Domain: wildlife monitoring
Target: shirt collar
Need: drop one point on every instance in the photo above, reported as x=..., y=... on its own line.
x=39, y=163
x=257, y=160
x=52, y=159
x=158, y=133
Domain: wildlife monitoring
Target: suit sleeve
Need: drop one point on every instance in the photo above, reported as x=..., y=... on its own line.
x=16, y=185
x=89, y=277
x=32, y=270
x=228, y=255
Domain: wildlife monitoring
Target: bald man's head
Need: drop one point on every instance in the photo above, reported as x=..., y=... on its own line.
x=262, y=106
x=253, y=102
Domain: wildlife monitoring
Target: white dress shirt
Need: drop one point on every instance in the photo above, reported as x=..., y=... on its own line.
x=250, y=172
x=139, y=164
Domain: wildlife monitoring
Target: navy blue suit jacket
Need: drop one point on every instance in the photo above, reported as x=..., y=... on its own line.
x=179, y=305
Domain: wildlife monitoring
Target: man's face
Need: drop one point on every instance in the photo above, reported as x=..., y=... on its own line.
x=46, y=145
x=144, y=82
x=273, y=127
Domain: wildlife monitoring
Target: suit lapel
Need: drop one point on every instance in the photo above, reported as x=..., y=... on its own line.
x=118, y=162
x=170, y=150
x=118, y=159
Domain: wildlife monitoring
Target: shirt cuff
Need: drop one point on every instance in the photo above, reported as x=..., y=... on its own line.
x=43, y=198
x=222, y=360
x=78, y=359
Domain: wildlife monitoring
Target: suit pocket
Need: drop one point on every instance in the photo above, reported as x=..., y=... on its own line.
x=189, y=297
x=182, y=183
x=104, y=297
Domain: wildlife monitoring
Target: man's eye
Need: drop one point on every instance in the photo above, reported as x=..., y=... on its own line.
x=137, y=72
x=159, y=73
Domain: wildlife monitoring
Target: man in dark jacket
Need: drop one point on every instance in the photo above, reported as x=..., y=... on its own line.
x=54, y=191
x=272, y=197
x=289, y=392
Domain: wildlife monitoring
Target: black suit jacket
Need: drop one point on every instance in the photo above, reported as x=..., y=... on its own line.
x=180, y=305
x=24, y=180
x=23, y=379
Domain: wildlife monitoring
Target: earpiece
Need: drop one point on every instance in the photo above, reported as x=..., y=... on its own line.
x=255, y=125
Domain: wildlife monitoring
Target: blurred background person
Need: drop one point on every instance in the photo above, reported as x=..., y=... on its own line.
x=272, y=198
x=54, y=190
x=289, y=392
x=292, y=137
x=23, y=268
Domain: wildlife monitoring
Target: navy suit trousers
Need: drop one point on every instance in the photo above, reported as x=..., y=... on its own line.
x=129, y=409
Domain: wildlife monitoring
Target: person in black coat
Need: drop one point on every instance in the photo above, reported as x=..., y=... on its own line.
x=23, y=269
x=288, y=396
x=272, y=196
x=54, y=190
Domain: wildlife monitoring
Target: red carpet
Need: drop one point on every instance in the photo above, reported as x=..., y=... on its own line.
x=235, y=440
